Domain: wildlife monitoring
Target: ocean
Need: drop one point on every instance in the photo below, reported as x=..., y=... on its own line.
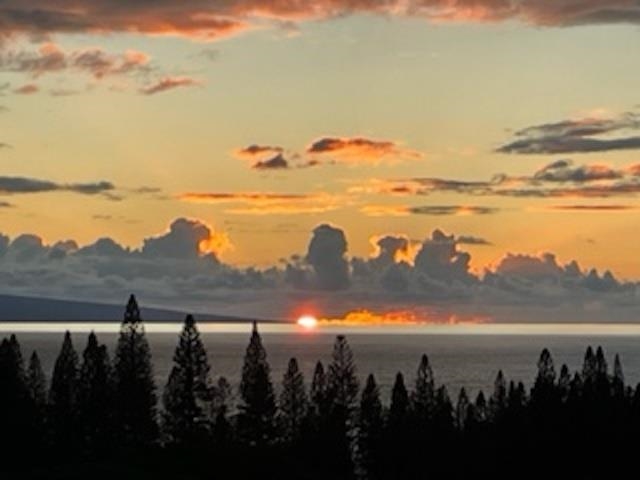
x=461, y=355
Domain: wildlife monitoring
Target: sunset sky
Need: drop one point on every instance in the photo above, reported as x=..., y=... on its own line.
x=512, y=125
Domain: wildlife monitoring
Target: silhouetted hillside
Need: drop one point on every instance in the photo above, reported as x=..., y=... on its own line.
x=35, y=309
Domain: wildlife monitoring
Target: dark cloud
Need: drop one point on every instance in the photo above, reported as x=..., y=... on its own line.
x=440, y=259
x=183, y=241
x=472, y=240
x=593, y=208
x=564, y=171
x=23, y=185
x=104, y=247
x=577, y=136
x=165, y=84
x=556, y=180
x=327, y=255
x=255, y=150
x=438, y=210
x=182, y=267
x=274, y=163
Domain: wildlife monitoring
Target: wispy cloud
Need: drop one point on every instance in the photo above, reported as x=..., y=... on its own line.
x=25, y=185
x=165, y=84
x=584, y=135
x=28, y=89
x=556, y=180
x=434, y=210
x=269, y=203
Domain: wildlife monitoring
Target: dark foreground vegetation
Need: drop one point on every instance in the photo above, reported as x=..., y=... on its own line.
x=97, y=418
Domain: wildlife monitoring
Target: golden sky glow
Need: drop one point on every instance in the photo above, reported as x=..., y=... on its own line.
x=264, y=120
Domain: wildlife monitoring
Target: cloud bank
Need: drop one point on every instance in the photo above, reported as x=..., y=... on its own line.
x=184, y=267
x=212, y=19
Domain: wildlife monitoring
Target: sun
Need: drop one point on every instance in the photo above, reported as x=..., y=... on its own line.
x=308, y=321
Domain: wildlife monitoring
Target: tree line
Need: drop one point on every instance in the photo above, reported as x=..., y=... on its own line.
x=99, y=416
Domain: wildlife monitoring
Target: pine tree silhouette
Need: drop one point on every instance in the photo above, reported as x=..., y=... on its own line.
x=15, y=404
x=95, y=397
x=423, y=394
x=318, y=396
x=63, y=397
x=342, y=383
x=293, y=404
x=258, y=406
x=188, y=394
x=370, y=432
x=462, y=410
x=36, y=382
x=134, y=388
x=222, y=432
x=498, y=401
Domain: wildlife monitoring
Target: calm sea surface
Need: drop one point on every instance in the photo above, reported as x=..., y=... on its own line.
x=461, y=355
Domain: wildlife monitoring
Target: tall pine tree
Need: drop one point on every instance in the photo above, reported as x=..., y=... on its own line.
x=63, y=395
x=342, y=383
x=293, y=404
x=187, y=396
x=423, y=395
x=134, y=388
x=95, y=396
x=370, y=432
x=258, y=406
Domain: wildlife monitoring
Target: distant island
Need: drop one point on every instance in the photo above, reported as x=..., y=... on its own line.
x=37, y=309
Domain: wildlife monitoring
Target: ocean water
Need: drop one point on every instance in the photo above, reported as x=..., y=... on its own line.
x=461, y=355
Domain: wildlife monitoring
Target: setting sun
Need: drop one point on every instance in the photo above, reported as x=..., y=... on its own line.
x=308, y=321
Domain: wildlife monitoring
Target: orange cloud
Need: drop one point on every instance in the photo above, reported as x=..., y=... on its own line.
x=365, y=317
x=270, y=203
x=361, y=150
x=28, y=89
x=406, y=251
x=212, y=19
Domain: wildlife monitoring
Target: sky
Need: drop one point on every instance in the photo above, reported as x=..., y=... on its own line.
x=498, y=137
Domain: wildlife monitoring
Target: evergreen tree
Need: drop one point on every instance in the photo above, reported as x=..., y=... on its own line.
x=95, y=396
x=342, y=391
x=443, y=412
x=423, y=395
x=399, y=408
x=618, y=378
x=462, y=409
x=15, y=405
x=564, y=383
x=134, y=388
x=258, y=406
x=293, y=403
x=398, y=447
x=342, y=383
x=543, y=392
x=36, y=382
x=187, y=396
x=63, y=393
x=222, y=429
x=498, y=401
x=589, y=367
x=318, y=392
x=370, y=431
